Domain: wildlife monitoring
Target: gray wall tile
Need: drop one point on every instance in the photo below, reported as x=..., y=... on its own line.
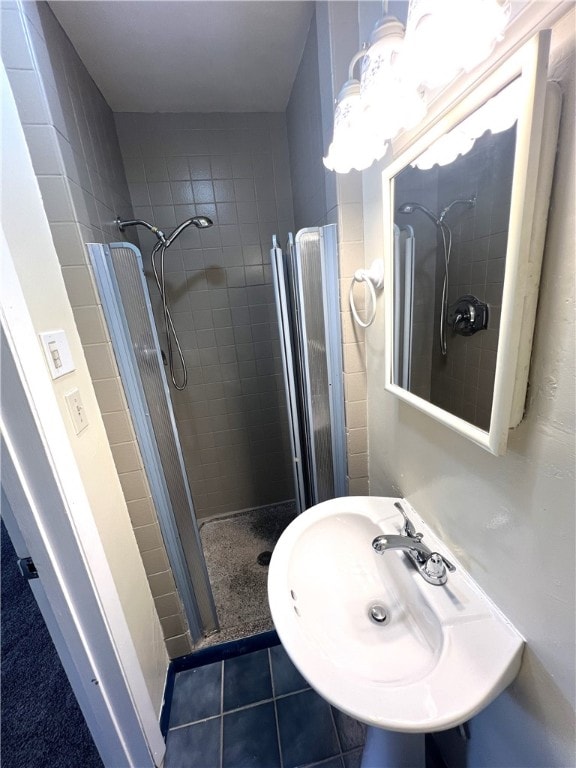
x=220, y=292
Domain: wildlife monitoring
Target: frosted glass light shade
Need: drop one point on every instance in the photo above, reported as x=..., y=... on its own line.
x=444, y=37
x=381, y=89
x=353, y=144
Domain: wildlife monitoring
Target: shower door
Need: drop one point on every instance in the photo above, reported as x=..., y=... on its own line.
x=306, y=282
x=125, y=300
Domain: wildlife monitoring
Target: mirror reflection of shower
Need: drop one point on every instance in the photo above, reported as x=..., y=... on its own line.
x=202, y=222
x=446, y=232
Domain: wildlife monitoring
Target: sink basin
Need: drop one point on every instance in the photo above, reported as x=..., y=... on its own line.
x=371, y=636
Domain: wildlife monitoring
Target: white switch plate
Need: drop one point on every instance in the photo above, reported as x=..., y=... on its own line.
x=57, y=352
x=76, y=410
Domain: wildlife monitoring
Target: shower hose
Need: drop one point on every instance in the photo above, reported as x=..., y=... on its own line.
x=171, y=335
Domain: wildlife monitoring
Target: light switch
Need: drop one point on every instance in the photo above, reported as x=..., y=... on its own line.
x=76, y=410
x=57, y=352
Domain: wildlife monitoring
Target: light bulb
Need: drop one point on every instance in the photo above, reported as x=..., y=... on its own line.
x=444, y=37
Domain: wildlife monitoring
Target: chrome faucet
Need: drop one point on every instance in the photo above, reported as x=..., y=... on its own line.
x=431, y=565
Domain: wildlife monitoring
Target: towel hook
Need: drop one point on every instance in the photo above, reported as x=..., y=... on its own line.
x=374, y=278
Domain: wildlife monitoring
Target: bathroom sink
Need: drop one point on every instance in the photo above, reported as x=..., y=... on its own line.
x=371, y=636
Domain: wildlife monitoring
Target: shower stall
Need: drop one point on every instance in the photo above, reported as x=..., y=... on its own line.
x=220, y=577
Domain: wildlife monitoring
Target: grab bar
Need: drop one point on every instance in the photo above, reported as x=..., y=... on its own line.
x=374, y=278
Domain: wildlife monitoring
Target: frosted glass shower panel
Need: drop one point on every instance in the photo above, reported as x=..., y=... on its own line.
x=120, y=278
x=306, y=279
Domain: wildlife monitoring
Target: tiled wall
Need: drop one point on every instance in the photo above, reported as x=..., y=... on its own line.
x=233, y=168
x=322, y=197
x=72, y=140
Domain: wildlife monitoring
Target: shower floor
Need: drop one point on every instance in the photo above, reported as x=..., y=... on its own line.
x=231, y=547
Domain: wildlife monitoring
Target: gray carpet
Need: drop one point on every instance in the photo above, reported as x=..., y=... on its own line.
x=231, y=547
x=41, y=722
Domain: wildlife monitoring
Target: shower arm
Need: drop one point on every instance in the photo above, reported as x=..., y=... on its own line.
x=134, y=222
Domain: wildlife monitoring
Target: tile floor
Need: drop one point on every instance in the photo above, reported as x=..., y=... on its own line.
x=256, y=711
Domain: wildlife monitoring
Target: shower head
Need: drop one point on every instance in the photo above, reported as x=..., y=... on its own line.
x=202, y=222
x=411, y=207
x=469, y=202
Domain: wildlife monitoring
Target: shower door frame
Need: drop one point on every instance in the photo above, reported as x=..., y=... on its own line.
x=101, y=259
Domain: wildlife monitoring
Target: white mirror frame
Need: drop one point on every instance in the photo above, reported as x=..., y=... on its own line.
x=536, y=140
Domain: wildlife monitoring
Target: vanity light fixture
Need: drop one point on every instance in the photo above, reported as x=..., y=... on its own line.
x=353, y=144
x=401, y=67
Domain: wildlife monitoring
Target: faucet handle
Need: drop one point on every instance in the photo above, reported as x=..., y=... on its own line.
x=408, y=529
x=435, y=568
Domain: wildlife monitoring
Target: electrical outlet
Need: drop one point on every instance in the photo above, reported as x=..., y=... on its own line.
x=76, y=410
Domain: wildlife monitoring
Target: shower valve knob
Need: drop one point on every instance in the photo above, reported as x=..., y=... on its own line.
x=468, y=315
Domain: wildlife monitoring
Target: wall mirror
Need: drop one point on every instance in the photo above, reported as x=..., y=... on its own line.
x=465, y=209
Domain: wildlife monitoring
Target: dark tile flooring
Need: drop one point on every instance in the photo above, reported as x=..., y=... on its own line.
x=256, y=711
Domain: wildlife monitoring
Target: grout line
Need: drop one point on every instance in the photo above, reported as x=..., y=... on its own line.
x=324, y=762
x=240, y=709
x=222, y=715
x=278, y=742
x=194, y=722
x=276, y=720
x=222, y=688
x=271, y=674
x=336, y=730
x=293, y=693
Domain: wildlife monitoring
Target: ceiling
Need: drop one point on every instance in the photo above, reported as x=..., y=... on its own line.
x=190, y=55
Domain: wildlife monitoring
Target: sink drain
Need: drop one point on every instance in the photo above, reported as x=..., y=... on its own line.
x=379, y=614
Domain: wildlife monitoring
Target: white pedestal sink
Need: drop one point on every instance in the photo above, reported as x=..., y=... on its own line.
x=441, y=654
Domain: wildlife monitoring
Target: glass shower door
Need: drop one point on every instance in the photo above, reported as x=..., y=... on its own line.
x=306, y=281
x=120, y=278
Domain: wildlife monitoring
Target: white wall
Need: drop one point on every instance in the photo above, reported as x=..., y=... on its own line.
x=510, y=519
